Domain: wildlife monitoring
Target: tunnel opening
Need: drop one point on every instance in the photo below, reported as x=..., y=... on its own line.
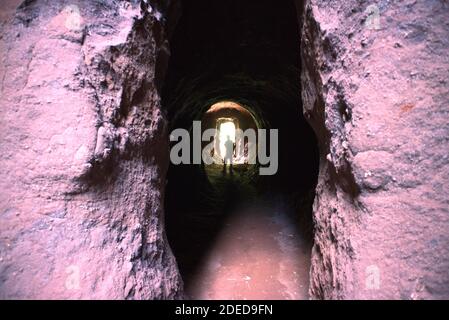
x=239, y=234
x=236, y=128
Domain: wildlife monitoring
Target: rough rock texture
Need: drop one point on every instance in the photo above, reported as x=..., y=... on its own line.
x=376, y=93
x=83, y=148
x=83, y=152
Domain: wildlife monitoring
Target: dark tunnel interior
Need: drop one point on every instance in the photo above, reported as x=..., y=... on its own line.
x=246, y=53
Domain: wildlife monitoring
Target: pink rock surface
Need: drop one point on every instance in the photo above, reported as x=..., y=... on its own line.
x=377, y=97
x=259, y=254
x=84, y=153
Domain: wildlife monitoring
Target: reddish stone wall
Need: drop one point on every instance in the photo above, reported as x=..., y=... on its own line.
x=84, y=153
x=376, y=93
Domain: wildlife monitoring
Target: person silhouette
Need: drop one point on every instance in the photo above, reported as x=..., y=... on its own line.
x=229, y=154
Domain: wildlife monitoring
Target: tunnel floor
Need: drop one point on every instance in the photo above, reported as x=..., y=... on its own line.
x=258, y=255
x=251, y=250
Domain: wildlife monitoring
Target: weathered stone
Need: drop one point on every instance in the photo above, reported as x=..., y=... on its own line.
x=380, y=199
x=70, y=143
x=84, y=146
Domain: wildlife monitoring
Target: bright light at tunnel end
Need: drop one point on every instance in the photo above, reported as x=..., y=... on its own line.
x=256, y=142
x=226, y=131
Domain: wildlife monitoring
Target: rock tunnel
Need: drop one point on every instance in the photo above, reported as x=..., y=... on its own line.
x=92, y=205
x=246, y=57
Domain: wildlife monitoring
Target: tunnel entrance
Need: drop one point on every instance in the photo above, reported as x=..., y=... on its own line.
x=235, y=65
x=226, y=132
x=235, y=128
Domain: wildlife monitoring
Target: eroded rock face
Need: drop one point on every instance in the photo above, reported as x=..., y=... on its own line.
x=84, y=148
x=83, y=152
x=375, y=90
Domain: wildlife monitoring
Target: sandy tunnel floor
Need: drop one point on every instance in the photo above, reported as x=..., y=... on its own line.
x=258, y=254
